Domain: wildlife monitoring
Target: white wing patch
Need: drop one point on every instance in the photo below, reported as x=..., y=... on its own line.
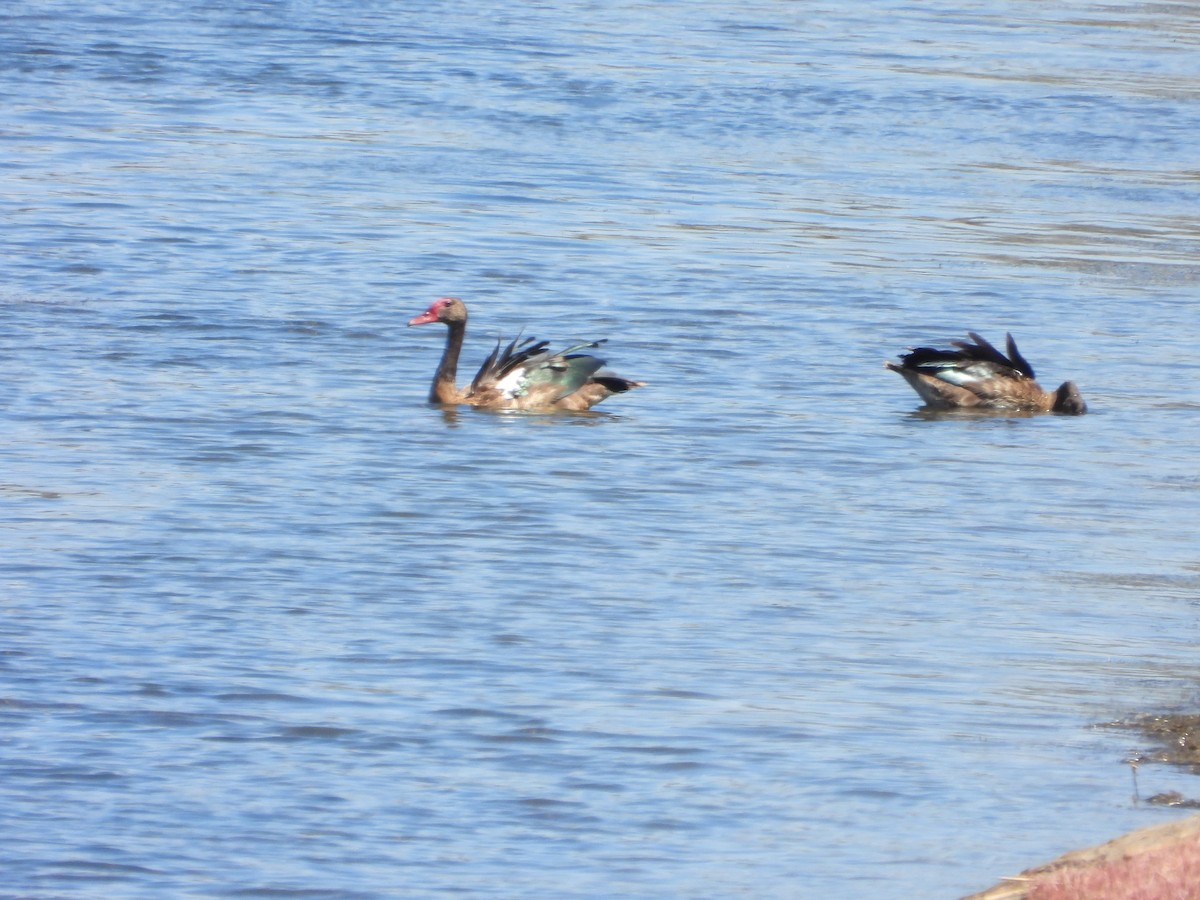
x=960, y=377
x=512, y=385
x=969, y=375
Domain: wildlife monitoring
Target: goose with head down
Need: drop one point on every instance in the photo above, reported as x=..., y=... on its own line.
x=978, y=376
x=525, y=374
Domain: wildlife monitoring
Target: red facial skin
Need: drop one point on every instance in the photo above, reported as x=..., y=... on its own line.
x=433, y=314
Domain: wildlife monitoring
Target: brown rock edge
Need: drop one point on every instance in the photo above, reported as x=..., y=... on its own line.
x=1137, y=842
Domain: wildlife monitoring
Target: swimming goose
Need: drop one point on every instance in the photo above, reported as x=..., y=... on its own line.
x=522, y=375
x=979, y=376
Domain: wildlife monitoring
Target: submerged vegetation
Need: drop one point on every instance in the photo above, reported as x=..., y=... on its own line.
x=1177, y=739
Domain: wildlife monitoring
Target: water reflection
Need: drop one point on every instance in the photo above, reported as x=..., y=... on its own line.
x=931, y=414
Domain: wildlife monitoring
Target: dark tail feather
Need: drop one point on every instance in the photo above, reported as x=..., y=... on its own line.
x=616, y=384
x=517, y=354
x=983, y=349
x=1018, y=361
x=502, y=361
x=920, y=357
x=487, y=364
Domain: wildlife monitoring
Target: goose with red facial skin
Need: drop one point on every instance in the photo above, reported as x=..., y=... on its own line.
x=524, y=374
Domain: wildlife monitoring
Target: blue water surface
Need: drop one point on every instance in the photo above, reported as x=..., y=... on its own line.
x=270, y=625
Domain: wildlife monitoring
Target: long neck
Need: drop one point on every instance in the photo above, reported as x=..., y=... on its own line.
x=444, y=389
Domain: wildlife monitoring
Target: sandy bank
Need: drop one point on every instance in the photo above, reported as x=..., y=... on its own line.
x=1118, y=858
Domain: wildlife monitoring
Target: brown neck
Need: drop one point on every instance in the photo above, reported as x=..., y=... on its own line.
x=444, y=389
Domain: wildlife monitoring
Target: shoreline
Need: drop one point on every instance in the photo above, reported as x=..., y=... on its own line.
x=1119, y=860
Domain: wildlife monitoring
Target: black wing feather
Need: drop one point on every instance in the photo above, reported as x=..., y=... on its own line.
x=977, y=350
x=1018, y=361
x=502, y=361
x=487, y=364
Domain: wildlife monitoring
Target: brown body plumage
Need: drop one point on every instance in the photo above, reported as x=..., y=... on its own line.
x=978, y=376
x=522, y=375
